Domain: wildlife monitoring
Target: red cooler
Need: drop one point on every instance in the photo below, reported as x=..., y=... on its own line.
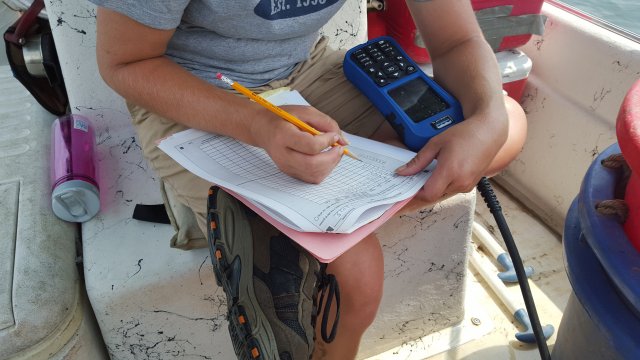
x=376, y=25
x=506, y=24
x=628, y=133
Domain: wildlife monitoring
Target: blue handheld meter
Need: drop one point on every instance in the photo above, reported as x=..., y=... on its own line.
x=415, y=105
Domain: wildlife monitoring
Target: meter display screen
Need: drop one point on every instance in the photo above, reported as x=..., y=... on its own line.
x=418, y=100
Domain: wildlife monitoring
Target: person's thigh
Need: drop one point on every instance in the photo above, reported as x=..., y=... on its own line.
x=182, y=185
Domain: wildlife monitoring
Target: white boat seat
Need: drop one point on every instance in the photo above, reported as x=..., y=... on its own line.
x=42, y=312
x=152, y=301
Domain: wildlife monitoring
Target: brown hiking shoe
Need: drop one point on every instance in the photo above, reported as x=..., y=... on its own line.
x=271, y=283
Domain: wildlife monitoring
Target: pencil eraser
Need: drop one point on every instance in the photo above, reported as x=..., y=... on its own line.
x=219, y=76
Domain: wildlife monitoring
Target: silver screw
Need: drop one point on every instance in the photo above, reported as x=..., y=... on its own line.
x=475, y=321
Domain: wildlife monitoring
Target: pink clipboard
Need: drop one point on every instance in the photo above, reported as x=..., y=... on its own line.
x=326, y=247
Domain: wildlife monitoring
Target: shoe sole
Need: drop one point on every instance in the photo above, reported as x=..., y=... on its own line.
x=250, y=331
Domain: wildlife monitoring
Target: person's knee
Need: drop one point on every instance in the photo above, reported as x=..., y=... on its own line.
x=517, y=122
x=360, y=304
x=360, y=275
x=515, y=138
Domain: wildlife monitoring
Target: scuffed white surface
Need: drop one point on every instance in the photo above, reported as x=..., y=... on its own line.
x=155, y=302
x=425, y=269
x=151, y=301
x=572, y=99
x=349, y=26
x=39, y=283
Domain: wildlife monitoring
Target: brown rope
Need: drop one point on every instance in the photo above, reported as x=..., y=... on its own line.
x=617, y=162
x=617, y=207
x=614, y=161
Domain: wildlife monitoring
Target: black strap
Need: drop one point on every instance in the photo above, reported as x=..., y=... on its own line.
x=151, y=213
x=330, y=284
x=48, y=90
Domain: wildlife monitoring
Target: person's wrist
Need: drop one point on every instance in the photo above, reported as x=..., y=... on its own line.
x=494, y=117
x=259, y=125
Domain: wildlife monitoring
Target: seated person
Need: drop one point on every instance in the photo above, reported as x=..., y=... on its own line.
x=162, y=57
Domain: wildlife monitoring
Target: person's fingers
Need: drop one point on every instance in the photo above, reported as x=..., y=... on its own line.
x=446, y=181
x=318, y=120
x=436, y=186
x=312, y=168
x=422, y=159
x=306, y=143
x=343, y=139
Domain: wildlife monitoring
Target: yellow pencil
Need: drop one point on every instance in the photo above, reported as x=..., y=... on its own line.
x=278, y=111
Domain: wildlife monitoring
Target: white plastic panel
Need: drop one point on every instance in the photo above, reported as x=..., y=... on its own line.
x=39, y=284
x=580, y=75
x=9, y=192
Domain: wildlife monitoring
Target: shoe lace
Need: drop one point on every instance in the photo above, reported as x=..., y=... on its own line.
x=328, y=284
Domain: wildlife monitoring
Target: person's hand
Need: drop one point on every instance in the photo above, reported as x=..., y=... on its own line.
x=296, y=152
x=464, y=152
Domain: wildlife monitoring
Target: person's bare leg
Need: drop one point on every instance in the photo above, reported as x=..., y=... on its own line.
x=360, y=270
x=515, y=139
x=360, y=273
x=508, y=152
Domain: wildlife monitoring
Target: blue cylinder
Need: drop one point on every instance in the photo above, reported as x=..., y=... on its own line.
x=602, y=318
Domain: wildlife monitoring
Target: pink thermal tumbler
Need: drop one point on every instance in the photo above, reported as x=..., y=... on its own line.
x=75, y=195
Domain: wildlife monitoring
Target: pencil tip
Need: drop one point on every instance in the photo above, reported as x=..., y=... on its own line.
x=353, y=156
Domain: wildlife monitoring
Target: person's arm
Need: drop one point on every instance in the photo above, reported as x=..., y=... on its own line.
x=131, y=61
x=465, y=65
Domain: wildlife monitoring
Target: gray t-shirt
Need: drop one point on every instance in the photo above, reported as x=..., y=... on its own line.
x=251, y=41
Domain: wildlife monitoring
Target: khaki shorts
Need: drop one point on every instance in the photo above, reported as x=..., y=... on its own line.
x=321, y=82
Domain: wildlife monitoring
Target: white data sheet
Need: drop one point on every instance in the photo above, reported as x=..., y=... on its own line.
x=355, y=193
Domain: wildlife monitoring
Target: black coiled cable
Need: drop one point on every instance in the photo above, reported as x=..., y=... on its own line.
x=494, y=206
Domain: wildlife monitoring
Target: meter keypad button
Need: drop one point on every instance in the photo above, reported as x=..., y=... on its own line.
x=383, y=62
x=391, y=69
x=381, y=82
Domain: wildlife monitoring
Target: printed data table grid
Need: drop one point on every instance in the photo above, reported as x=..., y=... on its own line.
x=255, y=164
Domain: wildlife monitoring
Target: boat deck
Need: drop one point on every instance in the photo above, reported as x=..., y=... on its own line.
x=488, y=329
